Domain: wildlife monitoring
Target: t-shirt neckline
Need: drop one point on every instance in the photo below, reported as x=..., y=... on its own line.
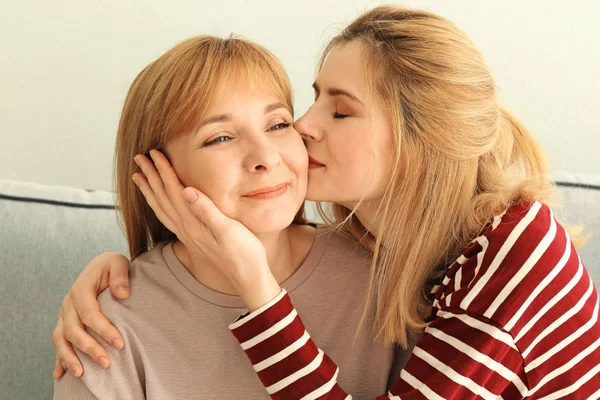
x=225, y=300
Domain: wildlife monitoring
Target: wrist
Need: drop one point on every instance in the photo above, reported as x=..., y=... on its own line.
x=258, y=290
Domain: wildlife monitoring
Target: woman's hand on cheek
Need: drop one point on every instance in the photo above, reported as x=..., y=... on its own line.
x=206, y=232
x=230, y=244
x=155, y=191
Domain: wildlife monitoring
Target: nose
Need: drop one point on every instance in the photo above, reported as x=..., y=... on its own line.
x=307, y=127
x=262, y=156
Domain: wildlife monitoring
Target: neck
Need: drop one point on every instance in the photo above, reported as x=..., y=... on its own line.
x=286, y=250
x=367, y=214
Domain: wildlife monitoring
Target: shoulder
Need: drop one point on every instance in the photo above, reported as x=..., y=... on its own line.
x=341, y=252
x=150, y=280
x=521, y=259
x=125, y=377
x=70, y=387
x=341, y=243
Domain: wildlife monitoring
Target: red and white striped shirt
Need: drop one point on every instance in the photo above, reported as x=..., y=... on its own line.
x=516, y=317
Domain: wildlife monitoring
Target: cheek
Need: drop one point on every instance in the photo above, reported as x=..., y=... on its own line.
x=386, y=150
x=352, y=153
x=213, y=177
x=360, y=164
x=295, y=156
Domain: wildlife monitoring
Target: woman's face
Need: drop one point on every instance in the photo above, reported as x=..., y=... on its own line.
x=247, y=158
x=347, y=133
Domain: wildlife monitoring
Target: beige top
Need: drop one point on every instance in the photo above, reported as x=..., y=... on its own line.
x=178, y=345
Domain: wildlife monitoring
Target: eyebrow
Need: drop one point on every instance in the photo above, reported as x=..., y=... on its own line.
x=215, y=119
x=275, y=106
x=337, y=92
x=228, y=117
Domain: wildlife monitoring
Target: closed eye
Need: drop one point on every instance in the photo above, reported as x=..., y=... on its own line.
x=337, y=115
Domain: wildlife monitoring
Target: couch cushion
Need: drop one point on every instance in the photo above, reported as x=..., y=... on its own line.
x=578, y=196
x=48, y=235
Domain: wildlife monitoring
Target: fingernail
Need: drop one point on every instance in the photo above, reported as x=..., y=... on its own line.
x=74, y=368
x=103, y=361
x=135, y=180
x=136, y=160
x=122, y=289
x=117, y=343
x=190, y=195
x=55, y=375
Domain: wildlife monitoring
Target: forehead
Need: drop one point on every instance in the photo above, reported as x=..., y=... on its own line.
x=241, y=81
x=345, y=68
x=237, y=98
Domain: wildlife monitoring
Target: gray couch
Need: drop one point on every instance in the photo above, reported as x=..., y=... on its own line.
x=49, y=234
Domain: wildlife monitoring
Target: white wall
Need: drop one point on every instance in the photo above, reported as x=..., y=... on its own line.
x=65, y=67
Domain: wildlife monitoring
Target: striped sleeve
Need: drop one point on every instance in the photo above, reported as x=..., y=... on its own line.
x=525, y=275
x=462, y=356
x=517, y=317
x=287, y=361
x=291, y=366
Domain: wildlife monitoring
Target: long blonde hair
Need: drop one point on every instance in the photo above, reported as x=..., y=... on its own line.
x=167, y=99
x=460, y=158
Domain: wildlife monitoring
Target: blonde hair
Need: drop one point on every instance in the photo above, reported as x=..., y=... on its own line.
x=168, y=99
x=460, y=159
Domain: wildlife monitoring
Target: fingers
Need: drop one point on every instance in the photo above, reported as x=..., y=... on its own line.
x=153, y=189
x=189, y=225
x=202, y=207
x=119, y=277
x=67, y=356
x=64, y=353
x=167, y=173
x=98, y=323
x=95, y=276
x=169, y=183
x=151, y=198
x=86, y=312
x=59, y=371
x=172, y=185
x=80, y=306
x=76, y=335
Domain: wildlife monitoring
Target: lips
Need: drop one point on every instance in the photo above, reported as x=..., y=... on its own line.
x=266, y=191
x=314, y=163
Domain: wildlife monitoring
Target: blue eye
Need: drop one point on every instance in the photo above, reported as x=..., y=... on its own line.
x=279, y=126
x=220, y=139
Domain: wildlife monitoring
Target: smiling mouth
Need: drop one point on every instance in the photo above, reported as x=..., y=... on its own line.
x=268, y=192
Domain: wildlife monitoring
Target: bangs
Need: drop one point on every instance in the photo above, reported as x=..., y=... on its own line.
x=172, y=94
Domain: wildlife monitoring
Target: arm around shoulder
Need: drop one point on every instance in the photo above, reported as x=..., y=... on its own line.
x=123, y=379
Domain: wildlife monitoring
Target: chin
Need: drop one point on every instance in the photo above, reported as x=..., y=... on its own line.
x=268, y=222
